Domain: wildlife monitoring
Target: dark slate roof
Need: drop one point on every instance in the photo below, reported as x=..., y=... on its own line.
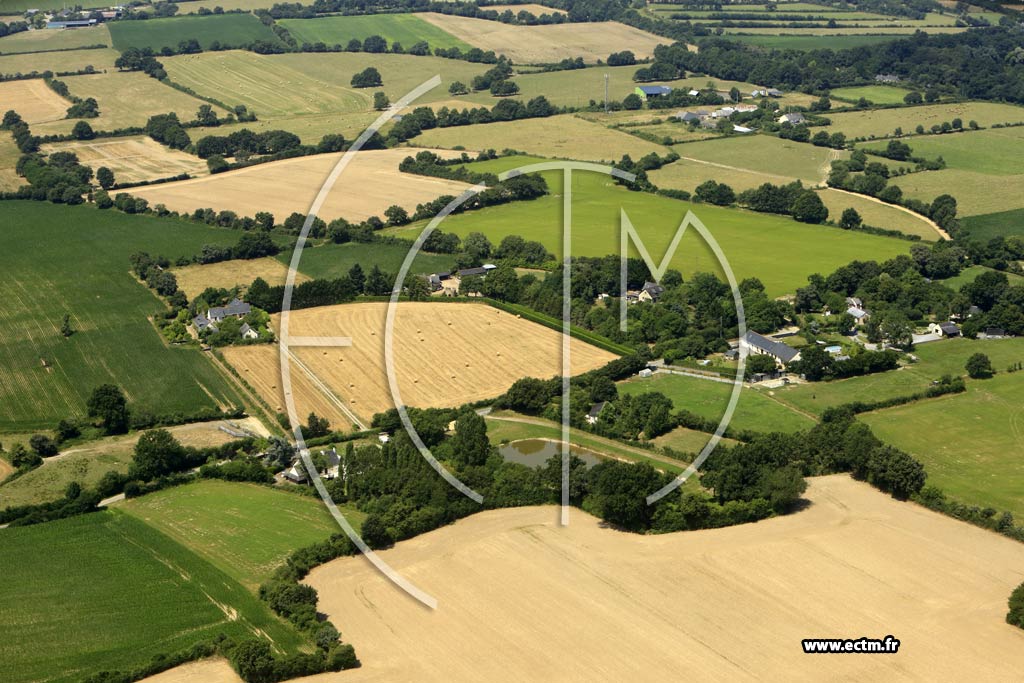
x=949, y=328
x=596, y=410
x=472, y=271
x=655, y=89
x=771, y=347
x=235, y=307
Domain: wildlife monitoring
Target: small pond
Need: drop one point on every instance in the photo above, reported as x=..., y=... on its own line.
x=536, y=452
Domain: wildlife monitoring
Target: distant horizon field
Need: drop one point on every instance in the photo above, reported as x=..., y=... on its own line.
x=813, y=42
x=86, y=275
x=876, y=94
x=406, y=29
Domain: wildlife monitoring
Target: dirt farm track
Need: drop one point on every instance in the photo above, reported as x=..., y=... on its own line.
x=521, y=599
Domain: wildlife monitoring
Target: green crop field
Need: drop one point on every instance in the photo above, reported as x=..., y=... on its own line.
x=114, y=593
x=71, y=60
x=970, y=443
x=335, y=260
x=245, y=530
x=936, y=359
x=778, y=250
x=762, y=154
x=881, y=122
x=406, y=29
x=876, y=94
x=34, y=41
x=284, y=86
x=984, y=227
x=996, y=151
x=227, y=29
x=976, y=193
x=812, y=42
x=85, y=273
x=756, y=409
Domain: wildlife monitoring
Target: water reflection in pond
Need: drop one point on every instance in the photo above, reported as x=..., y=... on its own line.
x=536, y=452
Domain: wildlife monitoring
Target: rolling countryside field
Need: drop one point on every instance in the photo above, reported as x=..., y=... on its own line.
x=86, y=275
x=877, y=213
x=406, y=29
x=245, y=530
x=779, y=251
x=119, y=590
x=232, y=30
x=762, y=154
x=132, y=158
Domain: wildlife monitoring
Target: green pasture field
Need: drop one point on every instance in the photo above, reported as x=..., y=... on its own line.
x=335, y=260
x=881, y=122
x=878, y=214
x=114, y=593
x=776, y=249
x=47, y=483
x=71, y=60
x=755, y=410
x=74, y=260
x=936, y=359
x=995, y=151
x=227, y=29
x=125, y=99
x=970, y=443
x=563, y=137
x=763, y=154
x=406, y=29
x=52, y=39
x=907, y=28
x=976, y=193
x=812, y=42
x=283, y=86
x=245, y=530
x=986, y=226
x=970, y=273
x=876, y=94
x=687, y=175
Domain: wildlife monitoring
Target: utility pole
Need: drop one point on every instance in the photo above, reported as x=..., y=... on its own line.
x=606, y=93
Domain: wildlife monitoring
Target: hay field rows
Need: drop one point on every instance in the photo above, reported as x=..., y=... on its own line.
x=925, y=578
x=446, y=354
x=406, y=29
x=133, y=158
x=551, y=43
x=371, y=183
x=33, y=100
x=554, y=136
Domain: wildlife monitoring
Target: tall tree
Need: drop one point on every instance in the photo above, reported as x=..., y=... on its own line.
x=109, y=405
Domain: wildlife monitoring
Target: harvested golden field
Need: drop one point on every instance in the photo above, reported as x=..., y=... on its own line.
x=877, y=213
x=215, y=670
x=546, y=44
x=521, y=598
x=132, y=159
x=370, y=184
x=446, y=354
x=34, y=100
x=566, y=137
x=532, y=8
x=35, y=41
x=9, y=155
x=70, y=60
x=227, y=274
x=126, y=99
x=687, y=174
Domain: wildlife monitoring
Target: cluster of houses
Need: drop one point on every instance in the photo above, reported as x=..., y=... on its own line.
x=710, y=119
x=236, y=308
x=332, y=467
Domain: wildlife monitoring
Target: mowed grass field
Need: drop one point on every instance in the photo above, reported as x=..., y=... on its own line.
x=283, y=86
x=995, y=151
x=114, y=592
x=74, y=260
x=762, y=154
x=551, y=43
x=976, y=193
x=878, y=214
x=564, y=137
x=125, y=99
x=33, y=100
x=881, y=122
x=34, y=41
x=88, y=462
x=756, y=410
x=370, y=184
x=406, y=29
x=132, y=158
x=876, y=94
x=970, y=443
x=70, y=60
x=779, y=251
x=228, y=29
x=445, y=354
x=678, y=602
x=245, y=530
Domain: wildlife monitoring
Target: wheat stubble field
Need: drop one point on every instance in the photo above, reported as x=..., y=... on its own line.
x=370, y=184
x=523, y=599
x=446, y=354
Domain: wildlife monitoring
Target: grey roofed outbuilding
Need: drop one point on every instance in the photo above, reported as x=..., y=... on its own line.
x=949, y=329
x=201, y=323
x=771, y=347
x=236, y=307
x=655, y=89
x=596, y=409
x=472, y=271
x=688, y=116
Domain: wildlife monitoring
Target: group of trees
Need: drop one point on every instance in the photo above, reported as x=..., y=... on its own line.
x=167, y=130
x=243, y=143
x=58, y=177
